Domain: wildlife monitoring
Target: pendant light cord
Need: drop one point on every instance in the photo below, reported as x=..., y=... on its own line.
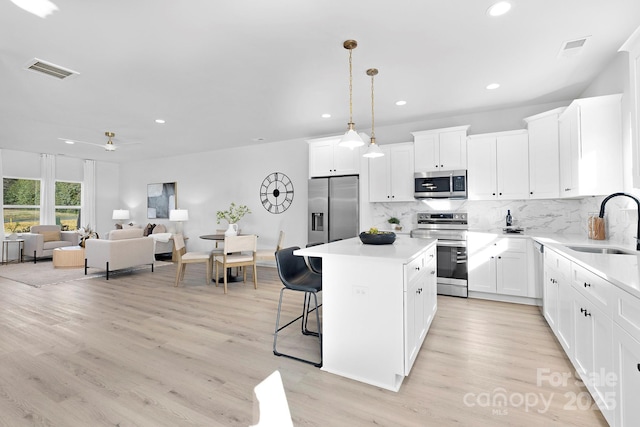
x=350, y=87
x=373, y=133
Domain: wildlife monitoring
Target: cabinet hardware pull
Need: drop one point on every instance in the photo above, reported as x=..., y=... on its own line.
x=567, y=189
x=433, y=272
x=417, y=268
x=499, y=257
x=587, y=284
x=582, y=310
x=638, y=366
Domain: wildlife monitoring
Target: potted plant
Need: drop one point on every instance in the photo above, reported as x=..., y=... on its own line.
x=87, y=233
x=232, y=216
x=13, y=227
x=396, y=222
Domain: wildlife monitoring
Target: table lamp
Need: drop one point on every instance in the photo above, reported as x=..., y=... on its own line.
x=120, y=215
x=179, y=215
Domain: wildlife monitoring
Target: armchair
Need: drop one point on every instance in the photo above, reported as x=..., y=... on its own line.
x=43, y=239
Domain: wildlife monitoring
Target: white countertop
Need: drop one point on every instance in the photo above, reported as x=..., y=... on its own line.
x=621, y=270
x=402, y=250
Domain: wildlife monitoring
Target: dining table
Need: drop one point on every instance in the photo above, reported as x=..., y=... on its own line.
x=220, y=238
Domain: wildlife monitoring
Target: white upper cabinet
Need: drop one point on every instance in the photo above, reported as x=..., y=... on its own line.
x=327, y=158
x=544, y=155
x=632, y=45
x=498, y=166
x=391, y=176
x=590, y=137
x=440, y=149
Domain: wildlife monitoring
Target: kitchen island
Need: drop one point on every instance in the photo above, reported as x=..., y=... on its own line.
x=378, y=304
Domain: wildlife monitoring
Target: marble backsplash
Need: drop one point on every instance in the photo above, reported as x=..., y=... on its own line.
x=566, y=216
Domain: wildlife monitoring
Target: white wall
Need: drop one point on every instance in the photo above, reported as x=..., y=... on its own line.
x=208, y=182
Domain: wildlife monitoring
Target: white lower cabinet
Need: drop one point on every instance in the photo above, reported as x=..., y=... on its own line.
x=593, y=355
x=598, y=325
x=627, y=368
x=626, y=357
x=498, y=265
x=420, y=304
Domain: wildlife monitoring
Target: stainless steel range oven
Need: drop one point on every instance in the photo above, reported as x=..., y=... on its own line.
x=450, y=228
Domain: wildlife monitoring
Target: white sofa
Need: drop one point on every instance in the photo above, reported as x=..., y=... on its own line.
x=123, y=249
x=163, y=240
x=43, y=239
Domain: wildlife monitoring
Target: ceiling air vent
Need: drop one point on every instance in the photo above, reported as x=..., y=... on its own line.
x=572, y=47
x=50, y=69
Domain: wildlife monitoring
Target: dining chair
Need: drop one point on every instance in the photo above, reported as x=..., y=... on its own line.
x=185, y=258
x=270, y=254
x=239, y=251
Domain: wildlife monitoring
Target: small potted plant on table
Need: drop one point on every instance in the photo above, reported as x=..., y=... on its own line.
x=395, y=222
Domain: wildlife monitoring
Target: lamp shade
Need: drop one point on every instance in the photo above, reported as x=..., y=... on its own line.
x=351, y=140
x=178, y=215
x=373, y=151
x=120, y=214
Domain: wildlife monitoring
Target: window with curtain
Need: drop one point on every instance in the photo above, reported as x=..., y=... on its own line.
x=68, y=204
x=21, y=204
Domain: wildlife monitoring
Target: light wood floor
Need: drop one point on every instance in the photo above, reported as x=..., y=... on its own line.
x=135, y=351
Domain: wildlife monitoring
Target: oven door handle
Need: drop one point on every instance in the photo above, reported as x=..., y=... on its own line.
x=452, y=243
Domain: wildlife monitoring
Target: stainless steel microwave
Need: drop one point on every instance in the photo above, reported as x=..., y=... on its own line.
x=440, y=185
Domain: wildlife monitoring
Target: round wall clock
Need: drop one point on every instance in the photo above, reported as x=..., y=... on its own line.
x=276, y=192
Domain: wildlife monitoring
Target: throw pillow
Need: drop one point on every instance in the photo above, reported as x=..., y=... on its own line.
x=51, y=236
x=160, y=228
x=148, y=229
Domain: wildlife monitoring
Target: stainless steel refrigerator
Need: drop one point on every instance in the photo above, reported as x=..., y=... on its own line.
x=333, y=208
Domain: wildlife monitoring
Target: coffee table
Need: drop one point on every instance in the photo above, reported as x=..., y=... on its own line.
x=68, y=257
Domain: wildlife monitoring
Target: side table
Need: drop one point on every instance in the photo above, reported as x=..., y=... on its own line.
x=5, y=250
x=68, y=256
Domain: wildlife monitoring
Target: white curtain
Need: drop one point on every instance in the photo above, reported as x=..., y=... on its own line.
x=2, y=195
x=89, y=195
x=48, y=189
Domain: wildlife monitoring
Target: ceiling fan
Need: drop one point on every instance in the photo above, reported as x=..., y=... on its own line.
x=109, y=146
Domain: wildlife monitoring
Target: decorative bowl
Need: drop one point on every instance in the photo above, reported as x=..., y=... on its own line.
x=381, y=238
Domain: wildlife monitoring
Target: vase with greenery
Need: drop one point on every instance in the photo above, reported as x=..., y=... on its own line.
x=86, y=233
x=234, y=214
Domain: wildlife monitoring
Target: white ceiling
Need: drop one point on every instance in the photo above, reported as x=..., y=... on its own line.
x=224, y=73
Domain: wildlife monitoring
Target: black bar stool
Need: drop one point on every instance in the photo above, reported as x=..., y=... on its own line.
x=296, y=276
x=315, y=262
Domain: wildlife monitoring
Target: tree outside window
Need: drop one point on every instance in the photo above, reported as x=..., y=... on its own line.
x=68, y=204
x=21, y=204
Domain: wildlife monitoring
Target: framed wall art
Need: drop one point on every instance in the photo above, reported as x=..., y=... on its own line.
x=161, y=198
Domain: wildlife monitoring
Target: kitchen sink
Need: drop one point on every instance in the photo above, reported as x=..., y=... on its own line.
x=600, y=250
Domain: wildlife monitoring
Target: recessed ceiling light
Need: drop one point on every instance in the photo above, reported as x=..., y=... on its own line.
x=499, y=8
x=326, y=115
x=161, y=121
x=67, y=141
x=493, y=86
x=401, y=102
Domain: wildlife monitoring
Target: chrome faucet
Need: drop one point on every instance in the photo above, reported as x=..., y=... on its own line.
x=606, y=199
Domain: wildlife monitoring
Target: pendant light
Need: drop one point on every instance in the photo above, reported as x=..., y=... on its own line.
x=374, y=149
x=351, y=139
